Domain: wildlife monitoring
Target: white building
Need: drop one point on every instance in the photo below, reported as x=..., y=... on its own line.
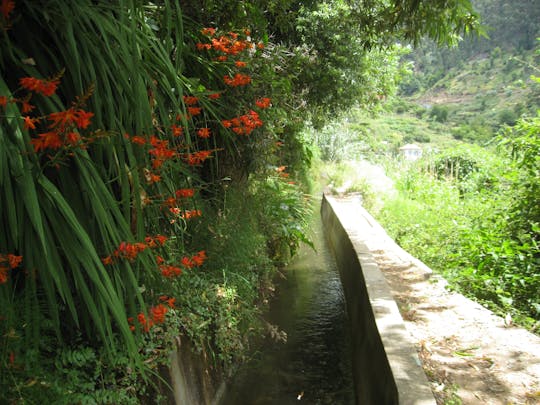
x=411, y=151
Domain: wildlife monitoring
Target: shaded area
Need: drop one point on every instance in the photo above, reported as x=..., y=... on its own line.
x=314, y=365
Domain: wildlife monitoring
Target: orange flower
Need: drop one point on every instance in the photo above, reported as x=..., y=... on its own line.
x=152, y=178
x=190, y=100
x=145, y=324
x=194, y=110
x=72, y=138
x=176, y=130
x=240, y=64
x=107, y=260
x=14, y=261
x=208, y=31
x=129, y=251
x=169, y=271
x=155, y=241
x=3, y=101
x=47, y=140
x=199, y=258
x=263, y=102
x=204, y=133
x=197, y=158
x=200, y=46
x=27, y=107
x=245, y=124
x=214, y=96
x=186, y=262
x=45, y=87
x=158, y=313
x=3, y=274
x=170, y=301
x=138, y=140
x=185, y=193
x=238, y=80
x=30, y=123
x=62, y=119
x=191, y=214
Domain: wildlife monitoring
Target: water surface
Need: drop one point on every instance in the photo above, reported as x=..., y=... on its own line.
x=314, y=365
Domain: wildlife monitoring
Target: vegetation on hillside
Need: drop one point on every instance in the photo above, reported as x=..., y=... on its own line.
x=469, y=208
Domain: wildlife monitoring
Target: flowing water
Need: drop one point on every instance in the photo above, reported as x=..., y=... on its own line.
x=314, y=365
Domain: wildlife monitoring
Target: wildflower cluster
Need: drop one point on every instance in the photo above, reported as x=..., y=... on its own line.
x=225, y=45
x=157, y=315
x=245, y=124
x=130, y=251
x=238, y=80
x=60, y=130
x=8, y=262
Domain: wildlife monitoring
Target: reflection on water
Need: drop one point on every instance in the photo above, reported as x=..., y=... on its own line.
x=314, y=365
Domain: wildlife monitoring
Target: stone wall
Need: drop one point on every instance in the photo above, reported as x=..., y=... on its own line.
x=386, y=367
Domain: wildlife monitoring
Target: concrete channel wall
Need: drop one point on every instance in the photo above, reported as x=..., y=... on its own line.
x=386, y=367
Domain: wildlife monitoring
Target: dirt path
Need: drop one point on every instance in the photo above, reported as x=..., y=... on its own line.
x=468, y=353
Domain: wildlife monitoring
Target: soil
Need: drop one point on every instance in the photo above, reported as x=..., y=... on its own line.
x=470, y=355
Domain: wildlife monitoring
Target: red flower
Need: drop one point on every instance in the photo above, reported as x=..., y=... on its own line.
x=73, y=138
x=82, y=118
x=199, y=258
x=47, y=140
x=152, y=178
x=169, y=271
x=62, y=119
x=194, y=110
x=45, y=87
x=158, y=313
x=145, y=324
x=208, y=31
x=29, y=123
x=238, y=80
x=185, y=193
x=170, y=301
x=107, y=260
x=3, y=101
x=138, y=140
x=176, y=130
x=263, y=102
x=214, y=96
x=204, y=133
x=27, y=107
x=14, y=261
x=190, y=100
x=196, y=158
x=3, y=274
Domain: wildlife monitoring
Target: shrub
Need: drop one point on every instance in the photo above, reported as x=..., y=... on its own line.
x=439, y=113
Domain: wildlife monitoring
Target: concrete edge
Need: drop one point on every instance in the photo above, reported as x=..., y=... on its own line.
x=383, y=347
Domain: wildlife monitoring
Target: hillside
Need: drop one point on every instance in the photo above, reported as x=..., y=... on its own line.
x=487, y=89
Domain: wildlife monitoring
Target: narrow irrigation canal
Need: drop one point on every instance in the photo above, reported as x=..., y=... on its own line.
x=314, y=365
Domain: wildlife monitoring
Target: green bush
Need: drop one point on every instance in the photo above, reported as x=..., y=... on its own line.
x=439, y=113
x=479, y=227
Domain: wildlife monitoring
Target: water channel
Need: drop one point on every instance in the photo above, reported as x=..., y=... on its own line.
x=314, y=365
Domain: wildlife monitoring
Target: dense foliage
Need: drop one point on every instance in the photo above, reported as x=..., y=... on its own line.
x=151, y=167
x=473, y=215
